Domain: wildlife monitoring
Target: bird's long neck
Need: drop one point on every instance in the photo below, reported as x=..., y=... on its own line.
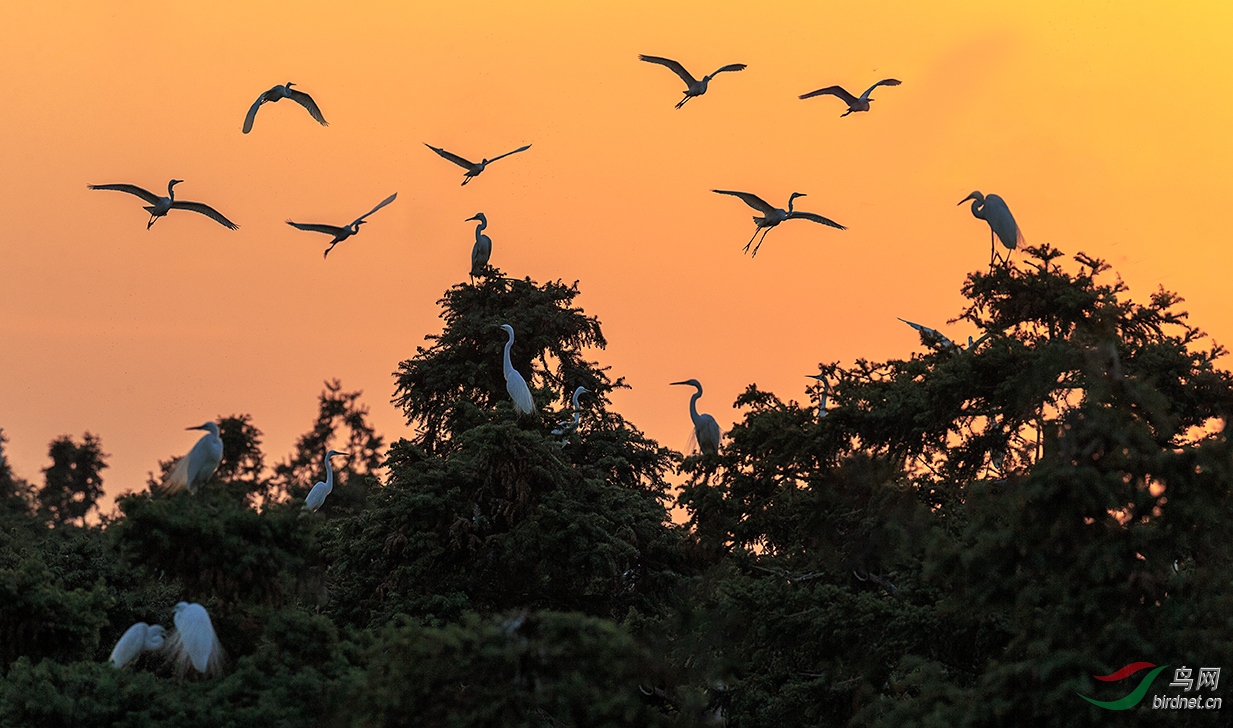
x=693, y=405
x=978, y=208
x=509, y=345
x=329, y=473
x=480, y=228
x=171, y=191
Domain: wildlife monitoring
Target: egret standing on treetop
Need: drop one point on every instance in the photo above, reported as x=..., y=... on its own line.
x=340, y=233
x=693, y=87
x=139, y=638
x=472, y=168
x=772, y=216
x=993, y=210
x=279, y=93
x=199, y=464
x=317, y=495
x=567, y=427
x=194, y=642
x=826, y=388
x=482, y=250
x=706, y=429
x=160, y=206
x=514, y=383
x=854, y=103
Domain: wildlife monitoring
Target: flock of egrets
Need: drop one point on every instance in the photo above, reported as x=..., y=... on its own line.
x=194, y=644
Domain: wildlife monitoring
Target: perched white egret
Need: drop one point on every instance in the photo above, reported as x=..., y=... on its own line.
x=340, y=233
x=693, y=87
x=854, y=103
x=706, y=429
x=993, y=210
x=514, y=383
x=199, y=464
x=141, y=637
x=473, y=169
x=567, y=427
x=279, y=93
x=160, y=206
x=826, y=387
x=317, y=495
x=482, y=249
x=194, y=642
x=933, y=336
x=772, y=216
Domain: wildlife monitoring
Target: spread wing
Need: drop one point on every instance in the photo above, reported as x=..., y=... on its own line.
x=315, y=228
x=465, y=164
x=144, y=194
x=380, y=205
x=519, y=149
x=883, y=82
x=730, y=67
x=752, y=200
x=814, y=217
x=252, y=112
x=676, y=68
x=204, y=209
x=839, y=91
x=307, y=102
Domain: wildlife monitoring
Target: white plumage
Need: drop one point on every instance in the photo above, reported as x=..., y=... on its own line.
x=199, y=464
x=514, y=382
x=994, y=210
x=706, y=429
x=317, y=495
x=194, y=642
x=141, y=637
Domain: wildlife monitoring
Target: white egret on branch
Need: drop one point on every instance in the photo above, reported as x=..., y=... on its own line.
x=933, y=336
x=317, y=495
x=340, y=233
x=706, y=429
x=194, y=642
x=854, y=103
x=693, y=87
x=826, y=388
x=199, y=464
x=482, y=250
x=141, y=637
x=567, y=427
x=514, y=383
x=473, y=169
x=279, y=93
x=160, y=206
x=993, y=210
x=772, y=216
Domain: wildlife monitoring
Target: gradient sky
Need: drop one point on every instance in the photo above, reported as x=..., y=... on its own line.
x=1104, y=125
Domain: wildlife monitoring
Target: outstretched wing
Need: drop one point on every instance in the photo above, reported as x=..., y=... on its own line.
x=144, y=194
x=380, y=205
x=675, y=67
x=814, y=217
x=519, y=149
x=204, y=209
x=465, y=164
x=252, y=112
x=315, y=228
x=307, y=102
x=730, y=67
x=752, y=200
x=839, y=91
x=929, y=335
x=883, y=82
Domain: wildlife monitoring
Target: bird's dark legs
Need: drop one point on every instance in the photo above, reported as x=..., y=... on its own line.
x=992, y=248
x=849, y=111
x=682, y=101
x=759, y=245
x=151, y=222
x=746, y=248
x=327, y=250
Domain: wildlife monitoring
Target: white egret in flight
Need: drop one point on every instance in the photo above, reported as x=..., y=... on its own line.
x=772, y=216
x=826, y=388
x=199, y=464
x=472, y=168
x=141, y=637
x=693, y=87
x=284, y=92
x=482, y=250
x=993, y=210
x=706, y=429
x=854, y=103
x=160, y=206
x=567, y=427
x=514, y=383
x=340, y=233
x=194, y=642
x=317, y=495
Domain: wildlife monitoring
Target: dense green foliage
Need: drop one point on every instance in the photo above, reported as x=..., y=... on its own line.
x=963, y=538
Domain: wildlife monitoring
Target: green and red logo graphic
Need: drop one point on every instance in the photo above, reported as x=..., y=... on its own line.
x=1135, y=695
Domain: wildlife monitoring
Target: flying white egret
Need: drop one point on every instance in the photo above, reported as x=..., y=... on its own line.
x=693, y=87
x=472, y=168
x=279, y=93
x=160, y=206
x=993, y=210
x=317, y=495
x=566, y=427
x=141, y=637
x=340, y=233
x=706, y=429
x=772, y=216
x=854, y=103
x=482, y=249
x=514, y=383
x=199, y=464
x=194, y=642
x=826, y=387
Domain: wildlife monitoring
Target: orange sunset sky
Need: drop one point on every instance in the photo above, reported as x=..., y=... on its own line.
x=1105, y=126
